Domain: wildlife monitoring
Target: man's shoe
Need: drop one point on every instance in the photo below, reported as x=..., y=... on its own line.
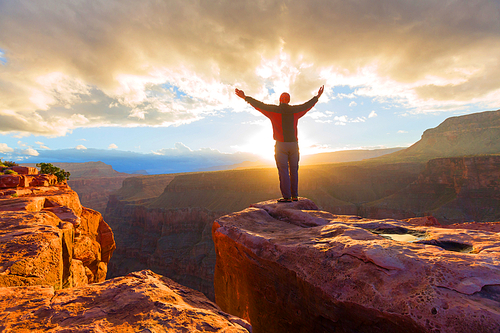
x=284, y=200
x=295, y=198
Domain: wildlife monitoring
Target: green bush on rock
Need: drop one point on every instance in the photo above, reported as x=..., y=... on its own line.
x=48, y=168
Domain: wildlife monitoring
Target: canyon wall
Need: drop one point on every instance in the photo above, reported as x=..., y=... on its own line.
x=454, y=190
x=292, y=268
x=46, y=236
x=173, y=242
x=94, y=192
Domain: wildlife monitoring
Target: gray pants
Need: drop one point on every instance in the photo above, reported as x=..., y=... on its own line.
x=287, y=154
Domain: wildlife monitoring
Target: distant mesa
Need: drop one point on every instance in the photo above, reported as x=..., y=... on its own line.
x=468, y=135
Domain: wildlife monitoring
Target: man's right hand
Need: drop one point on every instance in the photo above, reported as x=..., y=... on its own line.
x=240, y=93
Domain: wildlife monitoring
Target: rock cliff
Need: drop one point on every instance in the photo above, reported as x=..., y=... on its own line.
x=46, y=236
x=139, y=302
x=454, y=190
x=293, y=268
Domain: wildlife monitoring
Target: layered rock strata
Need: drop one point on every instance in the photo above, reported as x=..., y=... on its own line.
x=173, y=242
x=139, y=302
x=293, y=268
x=46, y=236
x=454, y=190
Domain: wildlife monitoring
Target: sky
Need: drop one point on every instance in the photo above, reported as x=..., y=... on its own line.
x=158, y=77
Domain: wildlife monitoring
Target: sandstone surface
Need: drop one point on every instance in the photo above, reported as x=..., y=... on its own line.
x=139, y=302
x=293, y=268
x=47, y=237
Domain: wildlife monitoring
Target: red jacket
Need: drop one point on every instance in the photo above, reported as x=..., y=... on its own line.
x=284, y=117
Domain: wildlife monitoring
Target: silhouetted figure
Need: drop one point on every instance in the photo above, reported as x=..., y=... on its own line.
x=284, y=118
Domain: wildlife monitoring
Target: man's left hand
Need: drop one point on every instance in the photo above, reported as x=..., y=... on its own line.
x=240, y=93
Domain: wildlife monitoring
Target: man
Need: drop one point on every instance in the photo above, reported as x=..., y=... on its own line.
x=284, y=118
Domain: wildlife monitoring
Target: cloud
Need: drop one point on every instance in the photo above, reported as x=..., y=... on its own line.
x=178, y=150
x=372, y=114
x=352, y=104
x=4, y=148
x=41, y=145
x=29, y=152
x=402, y=132
x=80, y=147
x=65, y=65
x=112, y=146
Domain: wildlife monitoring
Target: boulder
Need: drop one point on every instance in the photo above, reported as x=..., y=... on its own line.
x=292, y=268
x=139, y=302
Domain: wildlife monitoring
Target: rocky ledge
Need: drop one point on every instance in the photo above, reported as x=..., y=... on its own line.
x=293, y=268
x=139, y=302
x=46, y=236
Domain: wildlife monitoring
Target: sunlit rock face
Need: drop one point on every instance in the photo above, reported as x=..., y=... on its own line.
x=47, y=237
x=139, y=302
x=292, y=268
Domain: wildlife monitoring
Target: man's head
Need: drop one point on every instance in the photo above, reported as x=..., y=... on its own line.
x=285, y=98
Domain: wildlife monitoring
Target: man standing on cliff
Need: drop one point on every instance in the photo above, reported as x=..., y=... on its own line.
x=284, y=118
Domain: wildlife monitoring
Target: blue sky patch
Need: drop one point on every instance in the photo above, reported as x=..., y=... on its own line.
x=178, y=93
x=3, y=59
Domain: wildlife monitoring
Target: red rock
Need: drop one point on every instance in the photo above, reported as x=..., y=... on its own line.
x=8, y=181
x=278, y=270
x=139, y=302
x=38, y=243
x=427, y=221
x=22, y=170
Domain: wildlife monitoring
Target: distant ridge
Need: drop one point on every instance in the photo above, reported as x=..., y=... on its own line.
x=346, y=156
x=321, y=158
x=469, y=135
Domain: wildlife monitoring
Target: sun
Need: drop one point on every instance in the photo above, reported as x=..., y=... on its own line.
x=260, y=144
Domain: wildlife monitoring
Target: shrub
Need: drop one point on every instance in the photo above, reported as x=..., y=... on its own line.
x=10, y=172
x=48, y=168
x=9, y=163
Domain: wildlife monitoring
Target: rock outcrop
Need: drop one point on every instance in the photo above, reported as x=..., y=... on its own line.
x=454, y=190
x=293, y=268
x=139, y=302
x=46, y=236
